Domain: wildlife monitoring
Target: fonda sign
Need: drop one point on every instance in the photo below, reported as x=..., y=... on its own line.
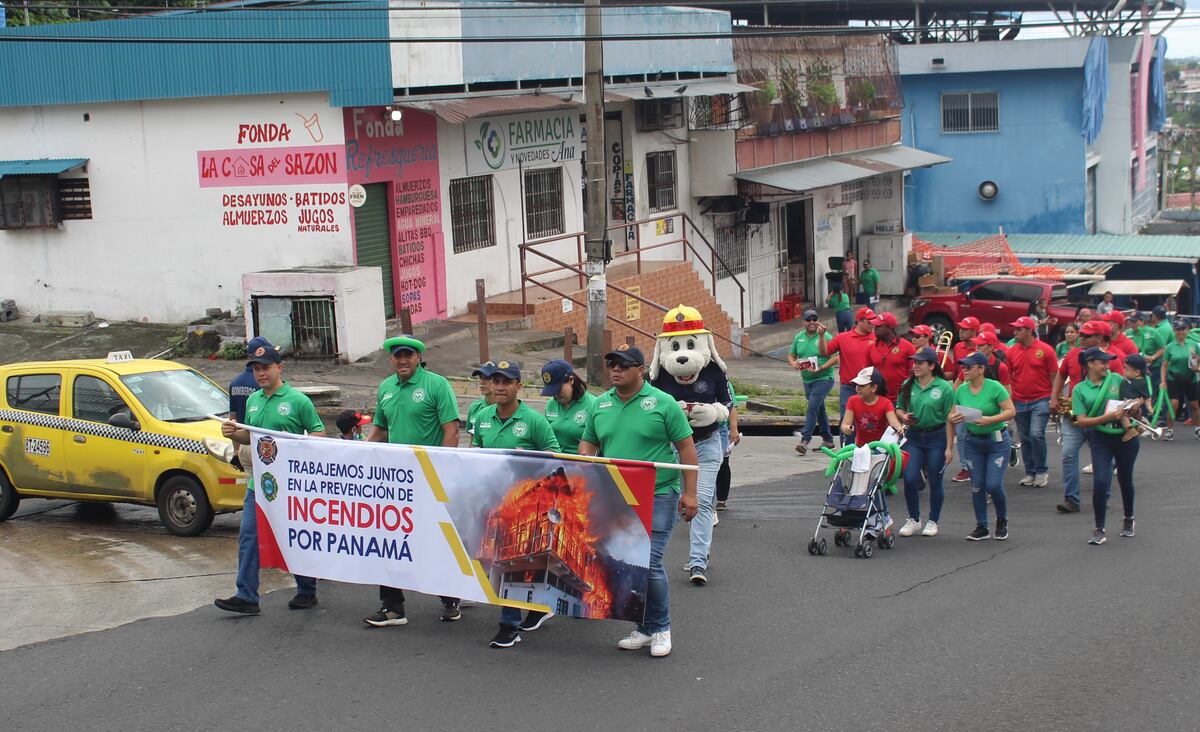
x=522, y=140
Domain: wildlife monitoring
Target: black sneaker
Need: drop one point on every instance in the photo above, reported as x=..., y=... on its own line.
x=450, y=612
x=1097, y=537
x=1068, y=507
x=236, y=604
x=302, y=602
x=1001, y=530
x=1127, y=529
x=505, y=638
x=386, y=618
x=698, y=577
x=534, y=620
x=980, y=533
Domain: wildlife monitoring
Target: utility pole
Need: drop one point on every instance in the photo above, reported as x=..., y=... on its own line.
x=595, y=228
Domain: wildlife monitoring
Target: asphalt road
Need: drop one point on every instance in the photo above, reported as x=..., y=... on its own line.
x=1041, y=632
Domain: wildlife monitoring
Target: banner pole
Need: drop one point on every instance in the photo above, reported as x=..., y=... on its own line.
x=556, y=455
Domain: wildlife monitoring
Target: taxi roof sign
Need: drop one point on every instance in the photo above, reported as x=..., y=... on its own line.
x=118, y=356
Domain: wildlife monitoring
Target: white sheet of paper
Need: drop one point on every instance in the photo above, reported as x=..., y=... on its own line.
x=970, y=414
x=890, y=435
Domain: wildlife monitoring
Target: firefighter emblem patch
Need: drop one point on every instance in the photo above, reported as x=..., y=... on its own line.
x=418, y=395
x=267, y=450
x=649, y=403
x=284, y=409
x=520, y=429
x=270, y=487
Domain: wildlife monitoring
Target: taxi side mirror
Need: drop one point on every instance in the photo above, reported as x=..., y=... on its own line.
x=124, y=421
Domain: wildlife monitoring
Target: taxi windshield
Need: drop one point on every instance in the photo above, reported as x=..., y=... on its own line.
x=178, y=395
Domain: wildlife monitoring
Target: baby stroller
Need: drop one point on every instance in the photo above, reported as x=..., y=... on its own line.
x=855, y=500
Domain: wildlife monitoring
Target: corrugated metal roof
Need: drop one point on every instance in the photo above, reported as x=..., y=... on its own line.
x=457, y=111
x=670, y=90
x=88, y=69
x=807, y=175
x=1132, y=247
x=44, y=166
x=1138, y=287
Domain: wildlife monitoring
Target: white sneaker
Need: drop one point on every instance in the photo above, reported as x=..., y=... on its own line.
x=660, y=644
x=910, y=527
x=930, y=529
x=1027, y=480
x=1087, y=469
x=637, y=639
x=716, y=519
x=1042, y=480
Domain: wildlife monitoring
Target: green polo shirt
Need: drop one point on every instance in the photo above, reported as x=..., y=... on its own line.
x=1083, y=401
x=1177, y=356
x=1166, y=333
x=644, y=428
x=870, y=281
x=473, y=411
x=287, y=410
x=805, y=346
x=838, y=302
x=1146, y=339
x=987, y=401
x=568, y=422
x=930, y=404
x=525, y=429
x=414, y=411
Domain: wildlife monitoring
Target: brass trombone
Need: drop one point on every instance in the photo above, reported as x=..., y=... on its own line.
x=945, y=341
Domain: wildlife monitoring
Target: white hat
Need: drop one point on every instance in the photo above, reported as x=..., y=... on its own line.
x=866, y=376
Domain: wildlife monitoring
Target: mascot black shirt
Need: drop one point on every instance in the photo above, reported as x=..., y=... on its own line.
x=710, y=387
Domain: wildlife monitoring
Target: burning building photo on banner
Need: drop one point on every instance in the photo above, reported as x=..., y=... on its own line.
x=561, y=536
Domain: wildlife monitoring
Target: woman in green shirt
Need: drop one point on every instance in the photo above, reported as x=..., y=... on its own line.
x=1089, y=411
x=1180, y=362
x=839, y=301
x=568, y=409
x=987, y=444
x=923, y=406
x=1070, y=340
x=870, y=283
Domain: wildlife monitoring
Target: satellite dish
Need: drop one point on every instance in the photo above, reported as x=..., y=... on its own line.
x=554, y=515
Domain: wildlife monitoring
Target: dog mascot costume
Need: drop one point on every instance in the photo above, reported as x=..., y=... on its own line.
x=686, y=366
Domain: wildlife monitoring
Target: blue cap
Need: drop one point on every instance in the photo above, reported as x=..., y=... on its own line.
x=926, y=354
x=974, y=358
x=260, y=350
x=1160, y=311
x=554, y=375
x=486, y=369
x=507, y=369
x=1094, y=354
x=1139, y=316
x=1136, y=360
x=630, y=355
x=1180, y=324
x=810, y=314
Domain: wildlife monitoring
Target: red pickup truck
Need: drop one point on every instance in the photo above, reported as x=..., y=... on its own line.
x=998, y=302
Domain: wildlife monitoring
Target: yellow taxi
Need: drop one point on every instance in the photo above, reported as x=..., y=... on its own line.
x=118, y=429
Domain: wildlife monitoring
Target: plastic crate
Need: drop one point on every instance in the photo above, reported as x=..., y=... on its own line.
x=770, y=316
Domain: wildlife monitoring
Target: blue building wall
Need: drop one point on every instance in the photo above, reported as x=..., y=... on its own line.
x=1037, y=158
x=484, y=62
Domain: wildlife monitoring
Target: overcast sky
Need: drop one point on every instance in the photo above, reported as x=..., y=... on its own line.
x=1183, y=38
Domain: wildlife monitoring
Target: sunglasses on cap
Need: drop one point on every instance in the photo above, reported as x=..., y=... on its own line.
x=812, y=319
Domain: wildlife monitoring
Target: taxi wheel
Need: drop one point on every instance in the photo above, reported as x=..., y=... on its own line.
x=183, y=506
x=9, y=500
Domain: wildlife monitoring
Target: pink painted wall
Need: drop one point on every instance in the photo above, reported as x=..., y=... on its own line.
x=404, y=155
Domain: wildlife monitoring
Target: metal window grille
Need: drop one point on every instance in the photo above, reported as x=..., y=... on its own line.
x=314, y=330
x=471, y=213
x=29, y=202
x=730, y=243
x=849, y=230
x=660, y=176
x=75, y=198
x=543, y=202
x=659, y=114
x=971, y=112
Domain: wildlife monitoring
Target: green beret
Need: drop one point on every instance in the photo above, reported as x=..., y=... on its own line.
x=405, y=341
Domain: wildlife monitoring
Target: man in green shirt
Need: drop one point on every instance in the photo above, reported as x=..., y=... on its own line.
x=1146, y=338
x=510, y=424
x=1162, y=324
x=870, y=283
x=636, y=421
x=817, y=372
x=569, y=404
x=275, y=406
x=484, y=374
x=1178, y=372
x=414, y=406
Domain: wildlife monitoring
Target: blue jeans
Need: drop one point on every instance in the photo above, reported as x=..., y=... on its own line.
x=845, y=320
x=1073, y=438
x=247, y=571
x=817, y=418
x=1107, y=449
x=925, y=450
x=960, y=436
x=510, y=617
x=658, y=598
x=1031, y=425
x=709, y=457
x=845, y=391
x=987, y=459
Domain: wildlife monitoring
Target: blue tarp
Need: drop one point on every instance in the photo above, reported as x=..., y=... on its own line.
x=1095, y=88
x=1157, y=108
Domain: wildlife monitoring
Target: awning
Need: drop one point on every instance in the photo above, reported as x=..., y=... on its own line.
x=44, y=166
x=672, y=89
x=1138, y=287
x=807, y=175
x=457, y=111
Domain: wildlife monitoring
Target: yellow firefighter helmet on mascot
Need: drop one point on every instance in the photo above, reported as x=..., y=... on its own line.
x=682, y=320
